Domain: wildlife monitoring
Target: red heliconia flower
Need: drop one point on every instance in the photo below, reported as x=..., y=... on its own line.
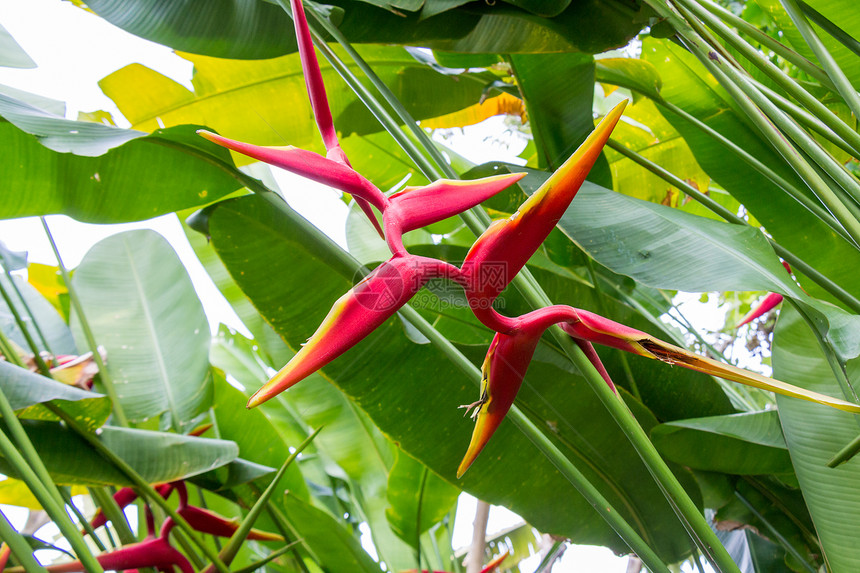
x=152, y=552
x=355, y=315
x=209, y=522
x=509, y=243
x=488, y=568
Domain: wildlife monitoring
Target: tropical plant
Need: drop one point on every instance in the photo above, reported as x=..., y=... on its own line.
x=735, y=155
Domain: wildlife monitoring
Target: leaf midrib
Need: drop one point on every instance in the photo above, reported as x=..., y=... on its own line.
x=150, y=326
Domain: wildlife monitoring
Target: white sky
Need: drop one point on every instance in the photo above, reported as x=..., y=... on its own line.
x=74, y=50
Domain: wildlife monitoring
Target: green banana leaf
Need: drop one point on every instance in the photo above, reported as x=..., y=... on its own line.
x=27, y=392
x=742, y=444
x=157, y=456
x=814, y=435
x=140, y=303
x=11, y=54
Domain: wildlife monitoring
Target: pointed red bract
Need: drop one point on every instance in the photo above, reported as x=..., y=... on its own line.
x=509, y=243
x=767, y=304
x=355, y=315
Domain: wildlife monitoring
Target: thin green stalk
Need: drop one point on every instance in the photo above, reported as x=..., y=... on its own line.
x=113, y=513
x=22, y=326
x=696, y=559
x=104, y=375
x=424, y=474
x=777, y=47
x=795, y=193
x=85, y=523
x=18, y=545
x=830, y=27
x=760, y=111
x=140, y=484
x=111, y=540
x=238, y=538
x=806, y=119
x=545, y=446
x=9, y=351
x=188, y=549
x=601, y=308
x=26, y=306
x=780, y=538
x=797, y=263
x=834, y=72
x=284, y=524
x=845, y=453
x=782, y=79
x=41, y=489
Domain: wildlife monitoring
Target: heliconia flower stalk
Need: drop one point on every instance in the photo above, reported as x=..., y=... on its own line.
x=209, y=522
x=767, y=304
x=355, y=315
x=511, y=351
x=416, y=207
x=156, y=553
x=515, y=239
x=488, y=568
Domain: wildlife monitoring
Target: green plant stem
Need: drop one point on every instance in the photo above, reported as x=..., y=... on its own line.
x=545, y=446
x=113, y=513
x=238, y=538
x=18, y=545
x=796, y=262
x=140, y=484
x=29, y=470
x=795, y=193
x=424, y=473
x=845, y=454
x=9, y=351
x=22, y=326
x=775, y=532
x=26, y=306
x=778, y=48
x=782, y=79
x=260, y=564
x=104, y=375
x=836, y=75
x=806, y=119
x=70, y=503
x=760, y=111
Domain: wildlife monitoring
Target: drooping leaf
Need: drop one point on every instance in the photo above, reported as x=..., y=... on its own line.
x=137, y=177
x=157, y=456
x=142, y=307
x=27, y=392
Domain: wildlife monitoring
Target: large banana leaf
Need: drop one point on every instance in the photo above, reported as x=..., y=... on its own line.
x=27, y=392
x=142, y=307
x=158, y=457
x=255, y=29
x=814, y=434
x=140, y=179
x=274, y=260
